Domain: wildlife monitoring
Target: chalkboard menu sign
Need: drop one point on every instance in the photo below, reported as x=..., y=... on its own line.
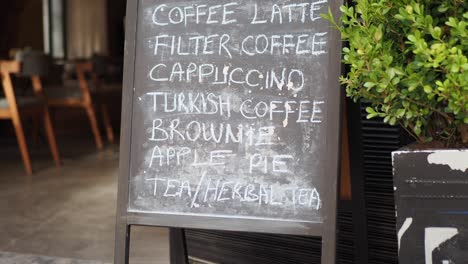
x=231, y=116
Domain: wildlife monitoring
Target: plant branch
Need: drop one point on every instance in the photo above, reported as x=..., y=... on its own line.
x=418, y=138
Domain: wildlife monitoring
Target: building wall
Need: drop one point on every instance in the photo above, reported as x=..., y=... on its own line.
x=20, y=25
x=116, y=30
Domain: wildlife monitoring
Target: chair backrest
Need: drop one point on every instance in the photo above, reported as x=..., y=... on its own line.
x=7, y=68
x=90, y=74
x=35, y=63
x=100, y=65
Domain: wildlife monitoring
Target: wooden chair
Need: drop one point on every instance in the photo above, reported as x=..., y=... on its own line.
x=14, y=108
x=84, y=97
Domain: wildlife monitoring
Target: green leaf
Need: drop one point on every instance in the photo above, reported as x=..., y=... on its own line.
x=409, y=9
x=452, y=22
x=395, y=81
x=417, y=130
x=455, y=68
x=417, y=9
x=399, y=17
x=391, y=73
x=442, y=8
x=370, y=110
x=409, y=115
x=401, y=112
x=378, y=34
x=427, y=89
x=437, y=32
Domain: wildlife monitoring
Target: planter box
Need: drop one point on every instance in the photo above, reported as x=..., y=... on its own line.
x=431, y=200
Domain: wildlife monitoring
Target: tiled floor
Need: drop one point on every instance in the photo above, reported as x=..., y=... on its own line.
x=67, y=212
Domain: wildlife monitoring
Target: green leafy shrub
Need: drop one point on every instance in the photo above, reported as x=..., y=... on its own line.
x=408, y=60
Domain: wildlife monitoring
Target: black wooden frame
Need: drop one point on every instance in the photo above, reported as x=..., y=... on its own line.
x=326, y=229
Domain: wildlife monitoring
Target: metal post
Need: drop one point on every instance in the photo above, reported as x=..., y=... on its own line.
x=178, y=246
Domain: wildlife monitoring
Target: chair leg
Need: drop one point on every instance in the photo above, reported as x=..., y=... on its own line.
x=22, y=143
x=51, y=137
x=107, y=123
x=94, y=125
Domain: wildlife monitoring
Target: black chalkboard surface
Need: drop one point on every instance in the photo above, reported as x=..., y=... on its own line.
x=231, y=116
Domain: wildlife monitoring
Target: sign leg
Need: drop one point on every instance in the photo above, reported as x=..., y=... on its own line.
x=122, y=244
x=178, y=246
x=328, y=251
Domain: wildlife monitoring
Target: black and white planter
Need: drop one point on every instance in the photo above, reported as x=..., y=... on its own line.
x=431, y=200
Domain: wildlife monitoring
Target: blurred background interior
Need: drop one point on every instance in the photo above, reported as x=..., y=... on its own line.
x=60, y=102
